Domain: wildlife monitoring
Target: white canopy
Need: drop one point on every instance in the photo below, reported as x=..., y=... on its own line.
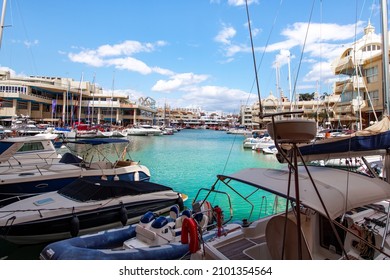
x=340, y=190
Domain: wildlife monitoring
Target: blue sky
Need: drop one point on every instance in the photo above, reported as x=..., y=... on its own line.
x=186, y=53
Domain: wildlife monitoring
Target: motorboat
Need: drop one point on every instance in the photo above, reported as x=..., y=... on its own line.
x=239, y=131
x=24, y=125
x=256, y=137
x=143, y=130
x=250, y=142
x=270, y=150
x=154, y=237
x=20, y=178
x=35, y=149
x=119, y=133
x=64, y=132
x=103, y=134
x=83, y=206
x=263, y=143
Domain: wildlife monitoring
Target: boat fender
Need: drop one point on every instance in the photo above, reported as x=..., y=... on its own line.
x=189, y=234
x=180, y=202
x=74, y=226
x=123, y=215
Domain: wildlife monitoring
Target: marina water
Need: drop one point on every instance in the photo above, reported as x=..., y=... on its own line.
x=186, y=161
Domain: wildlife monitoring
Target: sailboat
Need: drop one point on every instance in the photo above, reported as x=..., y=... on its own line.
x=317, y=213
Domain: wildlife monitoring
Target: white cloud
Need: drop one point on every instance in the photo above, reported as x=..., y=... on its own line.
x=225, y=35
x=12, y=72
x=132, y=94
x=240, y=2
x=29, y=44
x=127, y=48
x=324, y=43
x=282, y=58
x=179, y=82
x=130, y=64
x=88, y=57
x=210, y=98
x=121, y=56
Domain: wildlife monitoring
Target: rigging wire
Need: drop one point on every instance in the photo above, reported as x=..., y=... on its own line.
x=303, y=48
x=256, y=67
x=264, y=50
x=32, y=59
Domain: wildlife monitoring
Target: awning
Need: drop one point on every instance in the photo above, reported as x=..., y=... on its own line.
x=51, y=120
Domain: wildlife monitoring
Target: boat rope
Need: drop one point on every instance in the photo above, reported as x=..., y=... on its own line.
x=263, y=206
x=7, y=227
x=73, y=209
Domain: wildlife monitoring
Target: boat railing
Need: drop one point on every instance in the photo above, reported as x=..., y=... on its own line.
x=12, y=199
x=209, y=192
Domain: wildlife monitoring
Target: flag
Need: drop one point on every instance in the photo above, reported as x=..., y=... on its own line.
x=53, y=105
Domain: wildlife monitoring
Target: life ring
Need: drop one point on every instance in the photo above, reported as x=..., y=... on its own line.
x=189, y=229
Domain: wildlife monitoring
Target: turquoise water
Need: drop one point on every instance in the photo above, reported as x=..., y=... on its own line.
x=186, y=161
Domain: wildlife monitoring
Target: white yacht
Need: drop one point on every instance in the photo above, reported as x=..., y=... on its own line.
x=143, y=130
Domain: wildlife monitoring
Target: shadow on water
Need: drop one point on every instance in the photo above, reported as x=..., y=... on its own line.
x=10, y=251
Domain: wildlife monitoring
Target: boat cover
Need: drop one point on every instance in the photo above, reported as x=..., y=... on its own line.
x=96, y=189
x=99, y=141
x=372, y=140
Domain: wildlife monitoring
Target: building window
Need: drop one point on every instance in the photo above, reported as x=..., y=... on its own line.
x=374, y=96
x=371, y=74
x=34, y=106
x=22, y=105
x=371, y=48
x=7, y=103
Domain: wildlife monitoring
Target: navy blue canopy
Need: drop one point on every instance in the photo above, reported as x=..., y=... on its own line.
x=99, y=141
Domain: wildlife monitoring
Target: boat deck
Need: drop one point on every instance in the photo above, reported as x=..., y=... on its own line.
x=235, y=250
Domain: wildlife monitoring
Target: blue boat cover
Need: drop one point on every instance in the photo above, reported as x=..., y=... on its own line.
x=346, y=144
x=99, y=141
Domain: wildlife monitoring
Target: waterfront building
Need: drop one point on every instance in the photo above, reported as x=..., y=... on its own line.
x=63, y=101
x=190, y=118
x=357, y=100
x=361, y=74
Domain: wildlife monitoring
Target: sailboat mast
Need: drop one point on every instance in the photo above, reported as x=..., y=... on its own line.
x=385, y=58
x=2, y=20
x=112, y=97
x=261, y=115
x=93, y=99
x=289, y=80
x=81, y=97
